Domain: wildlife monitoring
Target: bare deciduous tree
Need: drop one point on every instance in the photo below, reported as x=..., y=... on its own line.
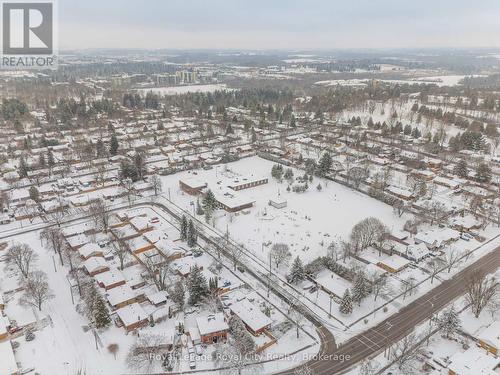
x=234, y=253
x=379, y=285
x=450, y=259
x=409, y=286
x=53, y=239
x=434, y=211
x=434, y=267
x=99, y=211
x=369, y=367
x=480, y=291
x=22, y=256
x=145, y=352
x=36, y=290
x=156, y=184
x=367, y=232
x=280, y=254
x=158, y=272
x=58, y=214
x=405, y=353
x=120, y=248
x=113, y=349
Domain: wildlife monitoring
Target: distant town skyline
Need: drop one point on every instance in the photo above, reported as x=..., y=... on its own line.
x=277, y=24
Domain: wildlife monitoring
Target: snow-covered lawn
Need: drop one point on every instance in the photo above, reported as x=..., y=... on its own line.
x=309, y=223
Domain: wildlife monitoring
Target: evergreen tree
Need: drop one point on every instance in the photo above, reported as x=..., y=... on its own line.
x=41, y=161
x=325, y=164
x=101, y=315
x=254, y=136
x=99, y=147
x=242, y=339
x=288, y=175
x=199, y=209
x=416, y=133
x=346, y=303
x=96, y=309
x=277, y=172
x=407, y=129
x=34, y=194
x=184, y=228
x=197, y=285
x=450, y=322
x=360, y=289
x=23, y=167
x=460, y=168
x=209, y=203
x=483, y=173
x=178, y=294
x=296, y=271
x=319, y=187
x=50, y=159
x=113, y=146
x=192, y=235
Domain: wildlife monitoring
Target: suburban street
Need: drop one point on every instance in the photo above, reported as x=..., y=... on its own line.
x=399, y=325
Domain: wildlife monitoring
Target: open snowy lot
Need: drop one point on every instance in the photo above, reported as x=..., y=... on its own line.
x=179, y=90
x=309, y=223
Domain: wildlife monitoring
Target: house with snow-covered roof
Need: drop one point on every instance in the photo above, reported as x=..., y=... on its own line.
x=110, y=279
x=489, y=338
x=90, y=250
x=95, y=265
x=132, y=316
x=473, y=361
x=255, y=320
x=121, y=296
x=213, y=328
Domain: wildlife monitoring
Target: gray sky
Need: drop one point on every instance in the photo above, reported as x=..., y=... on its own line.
x=283, y=24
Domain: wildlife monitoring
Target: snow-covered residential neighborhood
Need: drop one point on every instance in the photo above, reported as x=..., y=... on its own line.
x=242, y=211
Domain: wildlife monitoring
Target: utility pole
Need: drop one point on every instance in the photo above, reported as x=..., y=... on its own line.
x=269, y=276
x=330, y=313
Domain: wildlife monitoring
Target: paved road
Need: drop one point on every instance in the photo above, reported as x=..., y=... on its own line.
x=399, y=325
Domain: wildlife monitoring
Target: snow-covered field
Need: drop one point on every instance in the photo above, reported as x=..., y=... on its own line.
x=444, y=80
x=309, y=223
x=179, y=90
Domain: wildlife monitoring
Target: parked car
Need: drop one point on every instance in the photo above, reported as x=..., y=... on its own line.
x=15, y=329
x=192, y=362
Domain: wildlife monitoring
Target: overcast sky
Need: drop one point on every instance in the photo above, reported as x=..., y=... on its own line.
x=284, y=24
